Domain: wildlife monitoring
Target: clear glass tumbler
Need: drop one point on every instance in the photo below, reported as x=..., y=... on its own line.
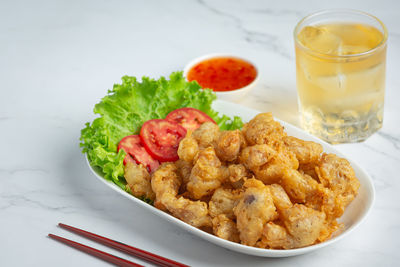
x=340, y=71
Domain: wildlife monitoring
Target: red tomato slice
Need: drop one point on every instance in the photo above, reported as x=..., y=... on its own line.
x=189, y=118
x=136, y=152
x=161, y=139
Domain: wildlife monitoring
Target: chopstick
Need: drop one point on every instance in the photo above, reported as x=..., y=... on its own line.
x=97, y=253
x=145, y=255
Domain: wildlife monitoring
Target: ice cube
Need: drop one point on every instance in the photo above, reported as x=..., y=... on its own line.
x=320, y=39
x=369, y=80
x=352, y=49
x=335, y=83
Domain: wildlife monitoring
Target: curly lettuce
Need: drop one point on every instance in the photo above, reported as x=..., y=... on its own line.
x=129, y=104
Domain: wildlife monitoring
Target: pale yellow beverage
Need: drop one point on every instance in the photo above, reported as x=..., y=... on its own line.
x=341, y=79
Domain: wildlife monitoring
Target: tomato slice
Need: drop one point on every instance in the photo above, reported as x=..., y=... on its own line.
x=161, y=139
x=189, y=118
x=136, y=152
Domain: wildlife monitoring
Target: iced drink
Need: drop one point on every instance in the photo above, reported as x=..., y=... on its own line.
x=340, y=66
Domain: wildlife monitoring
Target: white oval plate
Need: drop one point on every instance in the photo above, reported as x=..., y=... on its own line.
x=355, y=213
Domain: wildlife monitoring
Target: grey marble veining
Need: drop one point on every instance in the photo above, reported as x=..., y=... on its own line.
x=58, y=58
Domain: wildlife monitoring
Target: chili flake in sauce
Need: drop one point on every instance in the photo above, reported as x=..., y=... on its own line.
x=223, y=73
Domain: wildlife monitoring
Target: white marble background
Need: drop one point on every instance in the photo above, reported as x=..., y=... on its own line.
x=58, y=58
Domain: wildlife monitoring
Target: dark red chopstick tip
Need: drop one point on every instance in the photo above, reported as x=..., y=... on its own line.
x=148, y=256
x=95, y=252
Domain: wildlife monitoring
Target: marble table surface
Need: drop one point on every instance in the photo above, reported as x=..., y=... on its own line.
x=58, y=58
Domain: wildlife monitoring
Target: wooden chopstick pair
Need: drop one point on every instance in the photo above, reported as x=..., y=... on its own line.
x=145, y=255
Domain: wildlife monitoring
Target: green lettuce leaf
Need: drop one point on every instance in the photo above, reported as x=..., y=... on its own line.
x=129, y=104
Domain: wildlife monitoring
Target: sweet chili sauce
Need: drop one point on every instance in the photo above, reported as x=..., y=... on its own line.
x=223, y=73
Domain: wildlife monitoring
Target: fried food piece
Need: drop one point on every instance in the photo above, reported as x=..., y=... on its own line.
x=286, y=157
x=267, y=163
x=299, y=225
x=184, y=170
x=269, y=174
x=229, y=144
x=280, y=198
x=222, y=202
x=224, y=174
x=305, y=151
x=337, y=174
x=303, y=189
x=206, y=135
x=298, y=186
x=225, y=228
x=255, y=208
x=275, y=236
x=165, y=183
x=303, y=224
x=260, y=160
x=238, y=174
x=282, y=202
x=194, y=213
x=258, y=186
x=273, y=171
x=309, y=169
x=138, y=180
x=207, y=174
x=188, y=148
x=263, y=129
x=253, y=157
x=329, y=228
x=323, y=199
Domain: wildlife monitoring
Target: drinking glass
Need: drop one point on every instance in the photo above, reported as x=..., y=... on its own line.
x=340, y=73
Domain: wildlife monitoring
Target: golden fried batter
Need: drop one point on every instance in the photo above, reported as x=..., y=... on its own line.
x=228, y=145
x=325, y=200
x=337, y=174
x=206, y=175
x=165, y=183
x=263, y=129
x=268, y=164
x=303, y=224
x=188, y=148
x=225, y=228
x=206, y=135
x=280, y=198
x=309, y=169
x=192, y=212
x=303, y=189
x=138, y=180
x=258, y=187
x=184, y=171
x=298, y=186
x=254, y=209
x=222, y=202
x=275, y=236
x=253, y=157
x=238, y=174
x=305, y=151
